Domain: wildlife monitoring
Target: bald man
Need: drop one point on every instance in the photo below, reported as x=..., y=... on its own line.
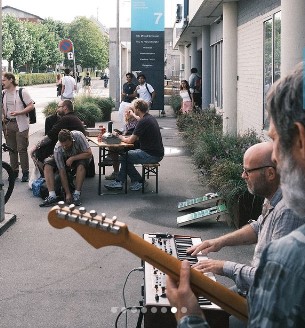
x=276, y=220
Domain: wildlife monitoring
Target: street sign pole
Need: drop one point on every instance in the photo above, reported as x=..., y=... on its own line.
x=74, y=66
x=65, y=46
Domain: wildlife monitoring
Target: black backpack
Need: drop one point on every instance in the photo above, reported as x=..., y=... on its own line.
x=32, y=113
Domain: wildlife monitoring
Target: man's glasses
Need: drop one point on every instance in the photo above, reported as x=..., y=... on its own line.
x=59, y=106
x=248, y=171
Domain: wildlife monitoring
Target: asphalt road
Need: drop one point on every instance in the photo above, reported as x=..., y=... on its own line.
x=53, y=278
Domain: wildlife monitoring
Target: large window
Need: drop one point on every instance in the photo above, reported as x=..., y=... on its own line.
x=216, y=76
x=272, y=57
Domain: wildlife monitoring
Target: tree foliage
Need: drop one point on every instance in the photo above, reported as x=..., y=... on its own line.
x=90, y=45
x=35, y=46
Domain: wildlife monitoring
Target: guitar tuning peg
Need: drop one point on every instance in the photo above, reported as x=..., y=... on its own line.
x=93, y=214
x=113, y=221
x=61, y=204
x=82, y=210
x=103, y=216
x=71, y=207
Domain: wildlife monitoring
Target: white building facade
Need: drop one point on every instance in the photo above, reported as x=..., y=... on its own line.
x=240, y=48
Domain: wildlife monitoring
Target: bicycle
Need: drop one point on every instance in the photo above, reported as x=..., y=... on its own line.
x=8, y=176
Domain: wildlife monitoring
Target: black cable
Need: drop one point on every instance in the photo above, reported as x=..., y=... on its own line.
x=124, y=299
x=125, y=310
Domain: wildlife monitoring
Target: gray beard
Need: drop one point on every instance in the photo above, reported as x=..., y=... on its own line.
x=293, y=185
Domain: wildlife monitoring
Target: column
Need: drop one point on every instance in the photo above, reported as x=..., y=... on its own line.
x=206, y=67
x=230, y=68
x=293, y=34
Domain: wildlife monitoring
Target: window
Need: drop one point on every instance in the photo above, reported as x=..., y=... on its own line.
x=216, y=76
x=272, y=57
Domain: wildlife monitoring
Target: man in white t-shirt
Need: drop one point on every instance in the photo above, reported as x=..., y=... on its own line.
x=145, y=91
x=68, y=86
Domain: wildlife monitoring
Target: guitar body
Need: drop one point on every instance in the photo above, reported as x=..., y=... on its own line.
x=100, y=231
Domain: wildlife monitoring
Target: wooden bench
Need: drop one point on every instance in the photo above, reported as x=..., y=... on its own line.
x=150, y=170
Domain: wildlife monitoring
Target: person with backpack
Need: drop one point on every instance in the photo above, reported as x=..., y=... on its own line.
x=16, y=124
x=195, y=87
x=87, y=83
x=145, y=91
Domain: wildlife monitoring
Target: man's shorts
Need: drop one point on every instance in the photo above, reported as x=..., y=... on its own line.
x=51, y=161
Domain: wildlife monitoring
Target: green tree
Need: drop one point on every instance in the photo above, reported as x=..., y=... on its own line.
x=46, y=47
x=90, y=45
x=8, y=45
x=23, y=48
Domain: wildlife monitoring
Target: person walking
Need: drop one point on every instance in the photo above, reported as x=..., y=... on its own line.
x=87, y=84
x=145, y=91
x=187, y=102
x=16, y=124
x=58, y=84
x=68, y=86
x=195, y=87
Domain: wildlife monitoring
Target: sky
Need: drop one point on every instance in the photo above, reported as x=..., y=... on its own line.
x=104, y=10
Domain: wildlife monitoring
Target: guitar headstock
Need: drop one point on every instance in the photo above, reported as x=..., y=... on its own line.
x=97, y=230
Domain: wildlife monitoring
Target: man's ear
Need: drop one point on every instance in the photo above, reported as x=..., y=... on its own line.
x=300, y=140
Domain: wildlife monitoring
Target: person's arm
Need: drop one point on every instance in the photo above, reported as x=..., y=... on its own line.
x=45, y=141
x=128, y=139
x=153, y=95
x=244, y=236
x=84, y=155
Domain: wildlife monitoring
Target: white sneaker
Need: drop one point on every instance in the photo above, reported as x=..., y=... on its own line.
x=114, y=185
x=135, y=186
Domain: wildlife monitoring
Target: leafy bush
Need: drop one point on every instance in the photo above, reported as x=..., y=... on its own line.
x=219, y=157
x=89, y=109
x=175, y=102
x=88, y=112
x=50, y=109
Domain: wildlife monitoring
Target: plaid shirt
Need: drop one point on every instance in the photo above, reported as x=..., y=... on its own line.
x=277, y=297
x=192, y=321
x=80, y=145
x=279, y=221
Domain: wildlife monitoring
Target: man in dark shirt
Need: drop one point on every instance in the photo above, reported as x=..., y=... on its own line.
x=151, y=149
x=45, y=147
x=127, y=96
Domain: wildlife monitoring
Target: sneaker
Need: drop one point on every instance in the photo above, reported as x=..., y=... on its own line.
x=49, y=201
x=25, y=177
x=135, y=186
x=76, y=200
x=114, y=185
x=111, y=176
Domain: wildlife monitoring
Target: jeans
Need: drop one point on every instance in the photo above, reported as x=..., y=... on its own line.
x=136, y=156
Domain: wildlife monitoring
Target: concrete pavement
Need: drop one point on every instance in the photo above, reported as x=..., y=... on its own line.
x=54, y=278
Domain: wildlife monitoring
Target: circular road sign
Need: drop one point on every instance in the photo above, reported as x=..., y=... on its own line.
x=65, y=45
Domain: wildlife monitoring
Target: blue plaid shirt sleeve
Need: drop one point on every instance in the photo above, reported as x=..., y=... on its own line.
x=243, y=275
x=192, y=321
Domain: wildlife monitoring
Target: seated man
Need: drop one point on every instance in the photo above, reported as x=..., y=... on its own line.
x=151, y=150
x=67, y=120
x=275, y=221
x=72, y=152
